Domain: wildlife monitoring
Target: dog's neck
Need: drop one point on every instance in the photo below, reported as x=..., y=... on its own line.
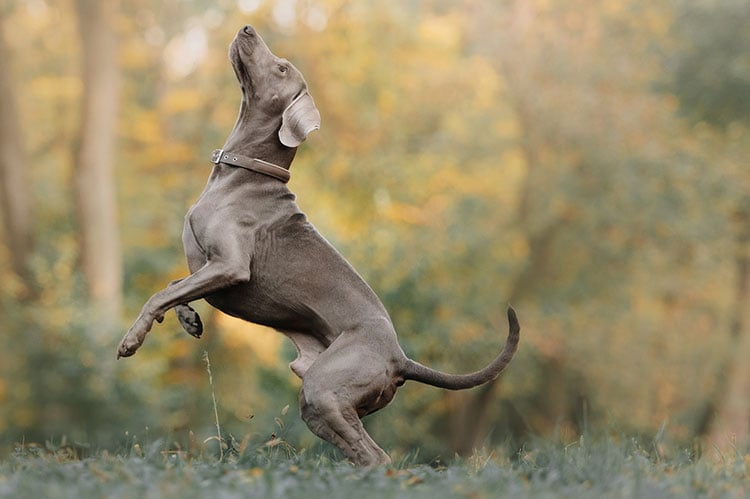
x=256, y=136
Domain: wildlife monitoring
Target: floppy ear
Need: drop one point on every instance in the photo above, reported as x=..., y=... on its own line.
x=299, y=119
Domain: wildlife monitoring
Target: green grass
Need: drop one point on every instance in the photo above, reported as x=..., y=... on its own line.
x=587, y=468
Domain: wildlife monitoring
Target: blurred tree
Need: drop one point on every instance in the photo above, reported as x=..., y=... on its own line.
x=711, y=71
x=471, y=153
x=15, y=184
x=565, y=67
x=711, y=79
x=93, y=175
x=730, y=425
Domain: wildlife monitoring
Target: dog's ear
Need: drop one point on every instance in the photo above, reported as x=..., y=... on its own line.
x=299, y=119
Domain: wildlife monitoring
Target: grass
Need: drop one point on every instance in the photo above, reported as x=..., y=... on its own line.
x=588, y=468
x=608, y=466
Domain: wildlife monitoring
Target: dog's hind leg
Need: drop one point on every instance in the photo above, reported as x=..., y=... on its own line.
x=341, y=426
x=351, y=378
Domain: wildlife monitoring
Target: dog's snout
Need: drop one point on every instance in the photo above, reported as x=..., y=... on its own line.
x=248, y=30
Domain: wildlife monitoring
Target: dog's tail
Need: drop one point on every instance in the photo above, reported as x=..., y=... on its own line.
x=417, y=372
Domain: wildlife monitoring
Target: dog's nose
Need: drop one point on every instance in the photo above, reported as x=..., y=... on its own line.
x=248, y=30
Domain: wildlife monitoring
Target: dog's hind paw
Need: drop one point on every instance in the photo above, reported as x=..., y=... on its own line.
x=189, y=320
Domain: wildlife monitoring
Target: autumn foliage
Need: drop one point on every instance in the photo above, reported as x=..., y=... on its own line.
x=556, y=155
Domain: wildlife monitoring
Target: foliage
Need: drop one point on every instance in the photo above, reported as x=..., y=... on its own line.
x=472, y=153
x=606, y=467
x=712, y=75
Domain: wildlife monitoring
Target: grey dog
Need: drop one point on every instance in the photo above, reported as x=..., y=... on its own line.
x=252, y=254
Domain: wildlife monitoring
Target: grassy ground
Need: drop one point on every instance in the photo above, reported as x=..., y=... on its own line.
x=588, y=468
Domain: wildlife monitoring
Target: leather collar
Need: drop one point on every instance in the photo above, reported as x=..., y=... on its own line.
x=253, y=164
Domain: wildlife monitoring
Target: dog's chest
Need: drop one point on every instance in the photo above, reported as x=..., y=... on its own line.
x=242, y=214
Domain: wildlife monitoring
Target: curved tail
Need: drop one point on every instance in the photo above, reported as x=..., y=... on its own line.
x=417, y=372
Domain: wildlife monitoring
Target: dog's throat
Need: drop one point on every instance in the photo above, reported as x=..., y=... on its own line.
x=252, y=164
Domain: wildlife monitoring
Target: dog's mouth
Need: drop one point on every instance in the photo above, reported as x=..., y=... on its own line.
x=241, y=52
x=248, y=49
x=247, y=41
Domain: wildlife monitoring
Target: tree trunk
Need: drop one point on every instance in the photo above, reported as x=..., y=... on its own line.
x=94, y=160
x=15, y=193
x=731, y=423
x=512, y=65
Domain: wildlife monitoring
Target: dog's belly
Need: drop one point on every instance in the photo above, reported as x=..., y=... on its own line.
x=249, y=303
x=300, y=299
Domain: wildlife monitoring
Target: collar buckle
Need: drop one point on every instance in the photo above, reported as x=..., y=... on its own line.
x=216, y=156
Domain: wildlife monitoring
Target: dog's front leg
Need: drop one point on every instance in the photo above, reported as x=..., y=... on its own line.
x=213, y=276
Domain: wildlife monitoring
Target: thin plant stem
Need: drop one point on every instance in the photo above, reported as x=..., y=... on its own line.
x=213, y=398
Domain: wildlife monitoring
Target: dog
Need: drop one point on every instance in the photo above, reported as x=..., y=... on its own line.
x=253, y=254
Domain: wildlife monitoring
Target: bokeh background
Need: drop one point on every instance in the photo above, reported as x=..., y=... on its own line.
x=585, y=161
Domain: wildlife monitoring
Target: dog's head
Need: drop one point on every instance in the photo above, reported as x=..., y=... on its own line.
x=272, y=85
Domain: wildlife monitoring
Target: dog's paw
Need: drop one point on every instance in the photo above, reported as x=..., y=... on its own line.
x=189, y=320
x=134, y=338
x=128, y=346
